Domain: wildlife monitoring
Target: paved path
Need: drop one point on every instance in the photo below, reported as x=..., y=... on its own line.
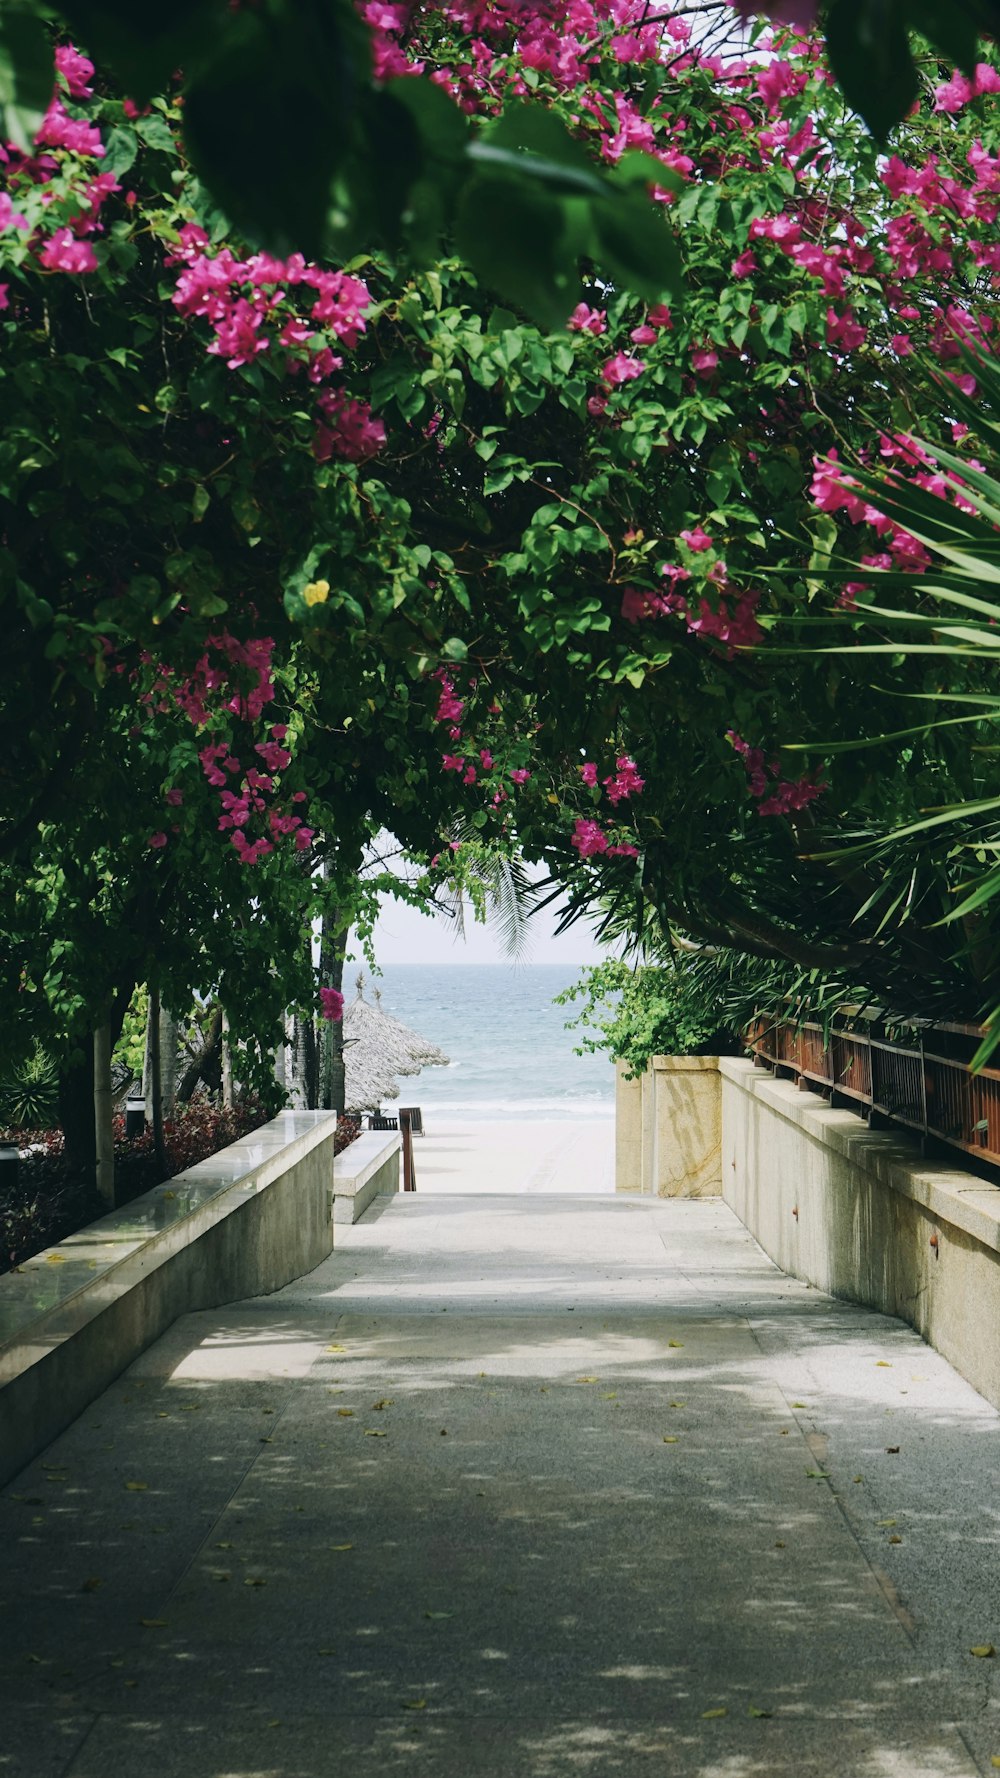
x=514, y=1488
x=537, y=1155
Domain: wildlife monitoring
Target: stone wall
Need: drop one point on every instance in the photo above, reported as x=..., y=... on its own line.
x=245, y=1222
x=863, y=1215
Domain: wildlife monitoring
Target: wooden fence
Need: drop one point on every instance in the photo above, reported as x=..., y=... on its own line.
x=917, y=1077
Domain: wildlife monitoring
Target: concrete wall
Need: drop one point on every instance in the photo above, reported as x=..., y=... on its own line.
x=863, y=1215
x=668, y=1128
x=247, y=1221
x=369, y=1166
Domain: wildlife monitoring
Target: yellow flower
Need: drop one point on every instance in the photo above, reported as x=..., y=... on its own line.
x=317, y=592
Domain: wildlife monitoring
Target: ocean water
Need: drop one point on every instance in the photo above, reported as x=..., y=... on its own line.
x=511, y=1055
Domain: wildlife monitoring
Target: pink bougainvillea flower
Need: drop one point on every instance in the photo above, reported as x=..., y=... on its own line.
x=519, y=775
x=586, y=320
x=705, y=361
x=174, y=797
x=64, y=253
x=626, y=781
x=157, y=841
x=589, y=838
x=696, y=540
x=331, y=1002
x=622, y=368
x=9, y=217
x=588, y=773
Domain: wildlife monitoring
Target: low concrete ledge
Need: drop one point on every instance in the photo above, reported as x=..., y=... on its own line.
x=864, y=1215
x=369, y=1166
x=243, y=1223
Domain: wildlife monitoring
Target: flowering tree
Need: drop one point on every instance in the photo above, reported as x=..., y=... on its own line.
x=297, y=549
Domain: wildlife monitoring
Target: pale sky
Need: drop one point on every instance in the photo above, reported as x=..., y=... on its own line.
x=404, y=935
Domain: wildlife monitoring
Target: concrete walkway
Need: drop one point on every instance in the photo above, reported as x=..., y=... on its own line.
x=515, y=1487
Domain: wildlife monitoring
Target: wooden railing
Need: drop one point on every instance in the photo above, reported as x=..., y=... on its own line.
x=920, y=1079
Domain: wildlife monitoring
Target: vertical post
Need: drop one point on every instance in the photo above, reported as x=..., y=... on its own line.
x=409, y=1171
x=103, y=1126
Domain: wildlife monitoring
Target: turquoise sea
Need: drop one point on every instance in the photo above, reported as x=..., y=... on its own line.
x=511, y=1055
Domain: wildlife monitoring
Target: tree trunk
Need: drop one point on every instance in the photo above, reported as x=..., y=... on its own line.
x=203, y=1065
x=333, y=947
x=104, y=1144
x=168, y=1060
x=154, y=1092
x=300, y=1066
x=227, y=1065
x=76, y=1113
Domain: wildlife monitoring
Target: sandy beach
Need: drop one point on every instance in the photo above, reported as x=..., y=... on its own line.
x=505, y=1155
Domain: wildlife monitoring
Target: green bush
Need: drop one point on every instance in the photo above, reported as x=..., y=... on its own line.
x=634, y=1013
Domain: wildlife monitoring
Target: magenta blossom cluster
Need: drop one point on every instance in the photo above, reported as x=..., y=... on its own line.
x=780, y=798
x=331, y=1004
x=303, y=311
x=591, y=841
x=233, y=680
x=728, y=616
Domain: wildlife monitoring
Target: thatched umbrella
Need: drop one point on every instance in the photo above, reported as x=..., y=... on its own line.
x=368, y=1025
x=368, y=1077
x=425, y=1054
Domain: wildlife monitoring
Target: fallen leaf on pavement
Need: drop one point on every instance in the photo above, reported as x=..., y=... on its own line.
x=677, y=1404
x=386, y=1403
x=886, y=1521
x=588, y=1379
x=819, y=1475
x=336, y=1348
x=984, y=1650
x=342, y=1546
x=892, y=1450
x=254, y=1580
x=669, y=1439
x=370, y=1434
x=707, y=1715
x=415, y=1704
x=436, y=1615
x=137, y=1487
x=752, y=1710
x=677, y=1344
x=895, y=1538
x=882, y=1364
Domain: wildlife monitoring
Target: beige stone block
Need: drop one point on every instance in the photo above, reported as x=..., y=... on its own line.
x=684, y=1154
x=628, y=1130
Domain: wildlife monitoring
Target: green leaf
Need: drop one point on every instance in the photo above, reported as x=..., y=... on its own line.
x=27, y=74
x=869, y=49
x=634, y=242
x=513, y=234
x=292, y=81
